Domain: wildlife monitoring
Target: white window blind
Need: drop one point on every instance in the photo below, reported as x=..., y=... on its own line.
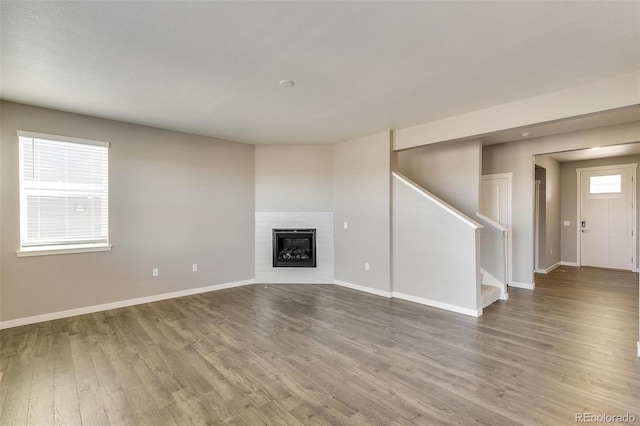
x=64, y=192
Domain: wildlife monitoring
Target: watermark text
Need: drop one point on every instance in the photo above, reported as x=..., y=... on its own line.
x=605, y=418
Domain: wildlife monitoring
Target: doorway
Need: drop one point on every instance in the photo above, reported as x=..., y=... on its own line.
x=540, y=220
x=495, y=203
x=606, y=216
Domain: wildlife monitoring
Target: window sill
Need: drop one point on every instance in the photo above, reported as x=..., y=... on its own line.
x=70, y=249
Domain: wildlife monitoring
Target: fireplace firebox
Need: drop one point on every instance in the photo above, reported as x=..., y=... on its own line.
x=294, y=248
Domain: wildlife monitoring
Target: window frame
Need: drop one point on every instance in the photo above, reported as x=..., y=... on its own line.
x=599, y=192
x=62, y=248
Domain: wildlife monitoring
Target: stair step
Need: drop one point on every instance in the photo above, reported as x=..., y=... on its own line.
x=489, y=294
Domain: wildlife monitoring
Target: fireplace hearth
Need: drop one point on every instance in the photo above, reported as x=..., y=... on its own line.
x=294, y=248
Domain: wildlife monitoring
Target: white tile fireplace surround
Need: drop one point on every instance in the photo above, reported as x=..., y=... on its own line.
x=321, y=221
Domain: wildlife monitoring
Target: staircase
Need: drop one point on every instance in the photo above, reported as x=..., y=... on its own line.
x=489, y=294
x=493, y=254
x=441, y=257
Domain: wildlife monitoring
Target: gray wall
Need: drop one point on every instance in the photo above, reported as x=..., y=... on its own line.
x=552, y=211
x=517, y=157
x=175, y=199
x=362, y=192
x=569, y=203
x=434, y=252
x=450, y=171
x=294, y=178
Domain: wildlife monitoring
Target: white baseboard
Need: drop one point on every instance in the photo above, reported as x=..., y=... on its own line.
x=440, y=305
x=638, y=349
x=552, y=267
x=563, y=263
x=522, y=285
x=362, y=288
x=296, y=282
x=549, y=269
x=120, y=304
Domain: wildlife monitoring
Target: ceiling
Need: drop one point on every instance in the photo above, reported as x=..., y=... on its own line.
x=590, y=121
x=212, y=68
x=600, y=152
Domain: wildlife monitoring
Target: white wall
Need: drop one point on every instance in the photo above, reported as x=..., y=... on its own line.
x=450, y=171
x=362, y=197
x=175, y=199
x=517, y=157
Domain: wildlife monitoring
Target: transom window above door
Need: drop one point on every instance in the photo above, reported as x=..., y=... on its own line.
x=609, y=184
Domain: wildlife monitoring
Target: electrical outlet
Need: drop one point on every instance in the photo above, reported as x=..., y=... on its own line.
x=154, y=272
x=551, y=251
x=567, y=223
x=346, y=225
x=194, y=267
x=366, y=266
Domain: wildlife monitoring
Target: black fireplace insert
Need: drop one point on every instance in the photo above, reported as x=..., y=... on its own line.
x=294, y=248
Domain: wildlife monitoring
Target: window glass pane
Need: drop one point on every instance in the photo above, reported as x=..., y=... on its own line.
x=605, y=184
x=63, y=193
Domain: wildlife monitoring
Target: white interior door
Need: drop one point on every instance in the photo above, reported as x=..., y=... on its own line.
x=495, y=203
x=606, y=222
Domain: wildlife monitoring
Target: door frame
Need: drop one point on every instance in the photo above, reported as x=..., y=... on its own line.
x=509, y=177
x=579, y=171
x=536, y=228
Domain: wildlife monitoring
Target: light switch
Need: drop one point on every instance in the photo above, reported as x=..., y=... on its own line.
x=567, y=223
x=346, y=225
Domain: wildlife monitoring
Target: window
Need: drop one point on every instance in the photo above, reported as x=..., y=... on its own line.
x=64, y=195
x=605, y=184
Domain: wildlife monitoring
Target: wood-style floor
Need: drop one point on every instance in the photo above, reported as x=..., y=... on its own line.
x=322, y=354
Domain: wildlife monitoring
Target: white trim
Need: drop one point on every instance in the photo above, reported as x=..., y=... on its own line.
x=58, y=138
x=429, y=196
x=492, y=222
x=536, y=223
x=527, y=286
x=66, y=249
x=294, y=282
x=364, y=289
x=453, y=308
x=509, y=177
x=638, y=349
x=121, y=304
x=633, y=167
x=552, y=267
x=610, y=167
x=563, y=263
x=549, y=269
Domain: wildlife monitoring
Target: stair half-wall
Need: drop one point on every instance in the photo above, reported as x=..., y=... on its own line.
x=435, y=251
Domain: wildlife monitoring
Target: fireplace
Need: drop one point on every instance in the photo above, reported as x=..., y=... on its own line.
x=294, y=248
